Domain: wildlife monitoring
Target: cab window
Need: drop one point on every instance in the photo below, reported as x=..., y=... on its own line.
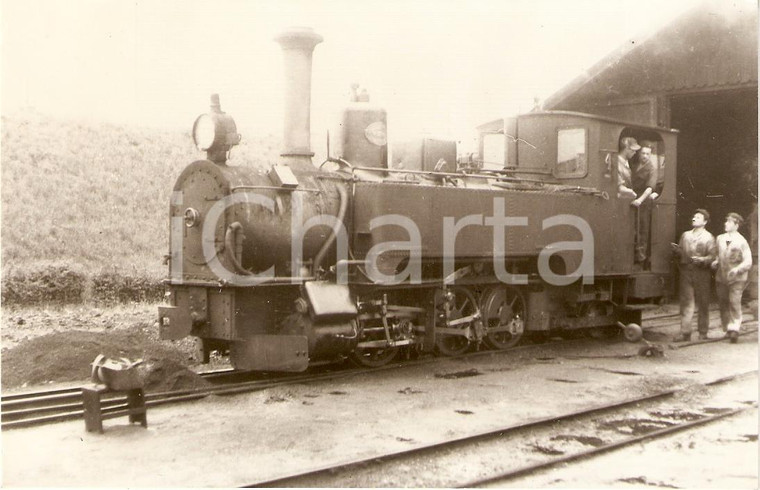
x=572, y=160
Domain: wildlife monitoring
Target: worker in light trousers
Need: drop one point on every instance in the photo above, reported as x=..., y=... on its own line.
x=732, y=269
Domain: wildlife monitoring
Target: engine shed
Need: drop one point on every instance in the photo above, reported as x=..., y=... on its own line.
x=697, y=74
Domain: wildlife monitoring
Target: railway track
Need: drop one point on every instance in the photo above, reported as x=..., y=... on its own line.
x=59, y=405
x=44, y=407
x=448, y=459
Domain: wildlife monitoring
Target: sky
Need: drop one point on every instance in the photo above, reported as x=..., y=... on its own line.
x=440, y=68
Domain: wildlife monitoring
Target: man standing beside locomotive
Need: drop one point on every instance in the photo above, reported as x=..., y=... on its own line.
x=733, y=264
x=696, y=252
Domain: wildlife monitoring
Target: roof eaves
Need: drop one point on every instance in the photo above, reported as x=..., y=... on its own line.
x=608, y=62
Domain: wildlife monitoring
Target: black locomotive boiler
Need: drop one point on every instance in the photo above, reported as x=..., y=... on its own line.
x=366, y=256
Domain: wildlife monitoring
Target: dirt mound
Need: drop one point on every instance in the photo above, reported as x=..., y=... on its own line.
x=167, y=375
x=66, y=356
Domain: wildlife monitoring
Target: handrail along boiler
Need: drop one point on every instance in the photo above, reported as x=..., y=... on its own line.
x=363, y=257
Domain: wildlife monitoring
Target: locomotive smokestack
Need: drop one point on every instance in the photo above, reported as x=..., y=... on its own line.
x=297, y=47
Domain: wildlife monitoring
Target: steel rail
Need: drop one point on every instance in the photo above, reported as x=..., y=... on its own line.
x=73, y=411
x=69, y=400
x=62, y=397
x=590, y=453
x=42, y=407
x=293, y=479
x=36, y=394
x=7, y=399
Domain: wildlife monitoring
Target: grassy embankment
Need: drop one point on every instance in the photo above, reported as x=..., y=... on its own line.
x=85, y=207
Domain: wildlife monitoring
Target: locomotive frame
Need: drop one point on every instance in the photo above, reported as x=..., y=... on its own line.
x=373, y=257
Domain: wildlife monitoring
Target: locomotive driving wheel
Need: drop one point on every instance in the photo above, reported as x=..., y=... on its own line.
x=503, y=311
x=456, y=320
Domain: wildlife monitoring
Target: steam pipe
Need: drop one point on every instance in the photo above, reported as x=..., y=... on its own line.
x=334, y=232
x=233, y=244
x=297, y=46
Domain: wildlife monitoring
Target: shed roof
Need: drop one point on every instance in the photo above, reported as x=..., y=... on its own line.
x=713, y=45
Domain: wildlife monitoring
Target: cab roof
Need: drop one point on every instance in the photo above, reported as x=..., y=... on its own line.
x=584, y=116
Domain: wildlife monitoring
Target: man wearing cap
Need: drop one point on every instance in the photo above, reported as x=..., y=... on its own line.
x=696, y=252
x=732, y=267
x=644, y=180
x=626, y=149
x=644, y=175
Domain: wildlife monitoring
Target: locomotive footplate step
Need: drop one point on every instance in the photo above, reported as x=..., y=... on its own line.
x=94, y=414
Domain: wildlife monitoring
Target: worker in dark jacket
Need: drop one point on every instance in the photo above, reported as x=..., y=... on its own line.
x=644, y=175
x=627, y=148
x=644, y=181
x=732, y=267
x=696, y=252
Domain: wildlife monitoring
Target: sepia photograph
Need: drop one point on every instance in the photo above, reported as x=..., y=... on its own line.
x=379, y=244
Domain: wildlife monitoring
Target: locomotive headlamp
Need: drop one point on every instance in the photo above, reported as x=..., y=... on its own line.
x=215, y=132
x=204, y=132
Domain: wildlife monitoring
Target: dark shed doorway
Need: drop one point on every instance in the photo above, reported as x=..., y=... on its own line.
x=717, y=155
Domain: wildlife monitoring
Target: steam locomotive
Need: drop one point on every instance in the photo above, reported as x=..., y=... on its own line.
x=366, y=256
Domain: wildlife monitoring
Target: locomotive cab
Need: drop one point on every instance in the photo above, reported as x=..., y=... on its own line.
x=574, y=149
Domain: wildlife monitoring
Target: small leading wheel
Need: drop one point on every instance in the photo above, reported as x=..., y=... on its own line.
x=632, y=332
x=373, y=357
x=504, y=311
x=452, y=306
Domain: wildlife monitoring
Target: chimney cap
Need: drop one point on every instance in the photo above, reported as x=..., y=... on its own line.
x=298, y=37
